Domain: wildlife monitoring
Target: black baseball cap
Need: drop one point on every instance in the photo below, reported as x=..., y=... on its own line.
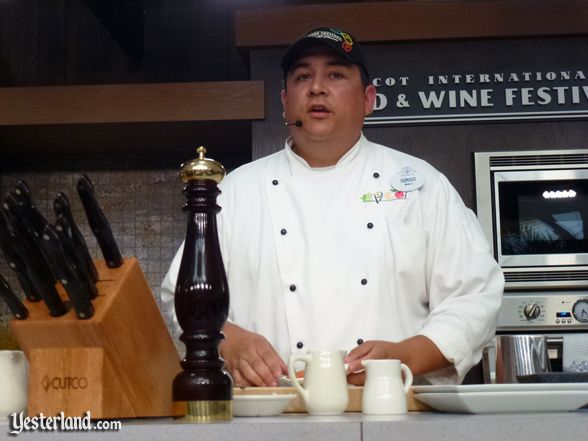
x=341, y=42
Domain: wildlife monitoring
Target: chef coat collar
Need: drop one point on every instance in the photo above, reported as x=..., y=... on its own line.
x=297, y=163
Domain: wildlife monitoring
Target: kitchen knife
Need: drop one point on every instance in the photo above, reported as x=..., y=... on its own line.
x=62, y=208
x=38, y=271
x=28, y=225
x=67, y=274
x=28, y=213
x=98, y=223
x=17, y=213
x=19, y=310
x=15, y=262
x=62, y=226
x=24, y=191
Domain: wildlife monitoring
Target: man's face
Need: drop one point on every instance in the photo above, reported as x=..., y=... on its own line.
x=328, y=96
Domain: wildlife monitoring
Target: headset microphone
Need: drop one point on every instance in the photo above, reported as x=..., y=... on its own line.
x=296, y=123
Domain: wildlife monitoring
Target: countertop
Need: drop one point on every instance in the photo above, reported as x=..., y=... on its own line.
x=415, y=426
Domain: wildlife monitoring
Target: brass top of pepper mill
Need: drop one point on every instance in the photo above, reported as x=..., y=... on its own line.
x=202, y=168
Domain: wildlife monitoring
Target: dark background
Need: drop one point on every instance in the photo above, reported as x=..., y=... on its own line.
x=60, y=42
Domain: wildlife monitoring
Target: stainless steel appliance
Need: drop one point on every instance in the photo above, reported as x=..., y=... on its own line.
x=520, y=355
x=533, y=208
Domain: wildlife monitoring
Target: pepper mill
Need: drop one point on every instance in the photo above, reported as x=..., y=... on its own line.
x=202, y=298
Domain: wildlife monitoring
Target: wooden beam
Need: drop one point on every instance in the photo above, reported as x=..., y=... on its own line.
x=410, y=20
x=128, y=103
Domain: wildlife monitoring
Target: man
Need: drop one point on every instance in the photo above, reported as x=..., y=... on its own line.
x=339, y=243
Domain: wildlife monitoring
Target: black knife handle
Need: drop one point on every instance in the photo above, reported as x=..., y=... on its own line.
x=40, y=275
x=62, y=227
x=16, y=211
x=98, y=223
x=24, y=191
x=62, y=208
x=20, y=270
x=34, y=268
x=42, y=281
x=27, y=214
x=28, y=234
x=15, y=262
x=27, y=250
x=19, y=310
x=109, y=247
x=26, y=285
x=67, y=274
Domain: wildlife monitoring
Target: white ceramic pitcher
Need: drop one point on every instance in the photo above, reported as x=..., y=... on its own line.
x=325, y=381
x=13, y=383
x=384, y=392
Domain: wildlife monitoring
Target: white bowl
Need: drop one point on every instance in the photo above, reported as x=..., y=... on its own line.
x=261, y=405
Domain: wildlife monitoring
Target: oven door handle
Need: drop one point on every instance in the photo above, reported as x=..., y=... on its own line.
x=555, y=341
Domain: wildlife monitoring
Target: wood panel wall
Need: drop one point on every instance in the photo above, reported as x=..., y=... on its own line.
x=62, y=42
x=410, y=20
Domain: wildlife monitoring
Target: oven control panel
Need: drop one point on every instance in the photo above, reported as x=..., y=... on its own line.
x=542, y=311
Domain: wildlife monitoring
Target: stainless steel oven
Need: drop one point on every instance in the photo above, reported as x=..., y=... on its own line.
x=533, y=208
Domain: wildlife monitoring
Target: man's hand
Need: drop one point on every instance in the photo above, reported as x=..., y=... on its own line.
x=419, y=353
x=250, y=358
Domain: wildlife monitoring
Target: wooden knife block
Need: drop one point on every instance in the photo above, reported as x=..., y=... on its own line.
x=118, y=364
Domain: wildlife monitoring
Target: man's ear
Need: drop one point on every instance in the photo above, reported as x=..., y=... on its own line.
x=283, y=97
x=370, y=99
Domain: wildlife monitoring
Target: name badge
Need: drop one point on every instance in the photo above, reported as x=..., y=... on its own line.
x=407, y=179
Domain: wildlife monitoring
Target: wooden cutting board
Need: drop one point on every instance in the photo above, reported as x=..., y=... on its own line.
x=355, y=394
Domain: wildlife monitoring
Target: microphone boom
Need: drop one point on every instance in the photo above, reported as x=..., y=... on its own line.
x=296, y=123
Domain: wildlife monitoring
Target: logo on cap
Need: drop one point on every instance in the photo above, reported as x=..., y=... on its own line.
x=347, y=42
x=335, y=35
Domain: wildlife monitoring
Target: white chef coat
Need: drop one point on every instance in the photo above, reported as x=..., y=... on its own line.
x=323, y=258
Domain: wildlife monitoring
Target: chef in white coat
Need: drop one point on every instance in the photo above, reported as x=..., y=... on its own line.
x=335, y=242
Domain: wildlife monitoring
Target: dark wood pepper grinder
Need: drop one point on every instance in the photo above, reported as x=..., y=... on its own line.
x=202, y=298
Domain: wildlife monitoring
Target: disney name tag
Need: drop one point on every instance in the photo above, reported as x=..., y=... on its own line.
x=407, y=179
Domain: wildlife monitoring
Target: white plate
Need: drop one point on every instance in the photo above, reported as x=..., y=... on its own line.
x=505, y=402
x=515, y=387
x=261, y=405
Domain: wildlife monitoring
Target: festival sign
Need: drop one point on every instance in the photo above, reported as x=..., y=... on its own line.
x=499, y=80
